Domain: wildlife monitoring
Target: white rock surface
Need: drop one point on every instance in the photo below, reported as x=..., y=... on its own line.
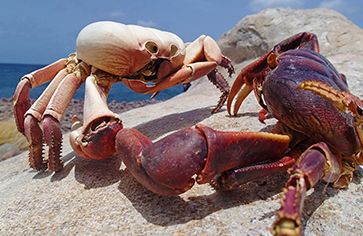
x=100, y=197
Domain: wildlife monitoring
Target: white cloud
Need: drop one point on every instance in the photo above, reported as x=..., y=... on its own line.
x=261, y=4
x=147, y=23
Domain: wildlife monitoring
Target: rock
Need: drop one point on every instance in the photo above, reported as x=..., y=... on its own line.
x=97, y=198
x=8, y=150
x=255, y=34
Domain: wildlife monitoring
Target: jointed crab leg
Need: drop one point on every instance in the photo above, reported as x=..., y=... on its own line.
x=234, y=178
x=302, y=40
x=218, y=80
x=32, y=121
x=54, y=112
x=314, y=164
x=32, y=80
x=27, y=118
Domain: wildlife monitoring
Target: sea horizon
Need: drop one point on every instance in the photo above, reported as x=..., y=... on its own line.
x=10, y=74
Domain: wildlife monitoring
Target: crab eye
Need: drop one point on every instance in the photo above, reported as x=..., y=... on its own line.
x=151, y=47
x=173, y=50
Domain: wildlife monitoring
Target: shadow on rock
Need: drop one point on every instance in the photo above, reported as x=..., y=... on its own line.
x=321, y=192
x=165, y=124
x=68, y=165
x=164, y=211
x=96, y=174
x=91, y=173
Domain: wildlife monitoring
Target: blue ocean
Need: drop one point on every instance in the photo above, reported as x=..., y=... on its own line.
x=11, y=73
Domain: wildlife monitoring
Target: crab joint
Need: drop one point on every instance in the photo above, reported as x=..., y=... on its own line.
x=272, y=60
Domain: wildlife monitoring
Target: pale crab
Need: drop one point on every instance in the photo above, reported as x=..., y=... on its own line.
x=146, y=60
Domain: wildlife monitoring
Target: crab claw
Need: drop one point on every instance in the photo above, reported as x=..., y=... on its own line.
x=247, y=81
x=174, y=163
x=95, y=137
x=242, y=87
x=96, y=141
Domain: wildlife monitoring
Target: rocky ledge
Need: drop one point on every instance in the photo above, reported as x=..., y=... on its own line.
x=90, y=197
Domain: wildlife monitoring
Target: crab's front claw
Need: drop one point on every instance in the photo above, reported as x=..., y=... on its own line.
x=97, y=140
x=247, y=81
x=21, y=103
x=173, y=164
x=95, y=137
x=167, y=166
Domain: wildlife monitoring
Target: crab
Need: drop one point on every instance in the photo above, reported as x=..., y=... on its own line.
x=146, y=60
x=318, y=136
x=315, y=108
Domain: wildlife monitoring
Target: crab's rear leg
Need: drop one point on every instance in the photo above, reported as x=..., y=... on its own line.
x=33, y=117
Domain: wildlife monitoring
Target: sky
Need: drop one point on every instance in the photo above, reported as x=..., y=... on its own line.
x=42, y=31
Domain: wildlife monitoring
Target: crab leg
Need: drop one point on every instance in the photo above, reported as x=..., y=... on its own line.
x=245, y=81
x=302, y=40
x=32, y=80
x=54, y=112
x=33, y=116
x=167, y=166
x=234, y=178
x=316, y=163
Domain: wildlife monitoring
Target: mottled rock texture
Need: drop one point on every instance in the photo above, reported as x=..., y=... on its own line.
x=99, y=198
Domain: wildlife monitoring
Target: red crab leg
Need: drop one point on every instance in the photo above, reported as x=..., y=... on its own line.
x=167, y=166
x=301, y=40
x=218, y=80
x=314, y=164
x=234, y=178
